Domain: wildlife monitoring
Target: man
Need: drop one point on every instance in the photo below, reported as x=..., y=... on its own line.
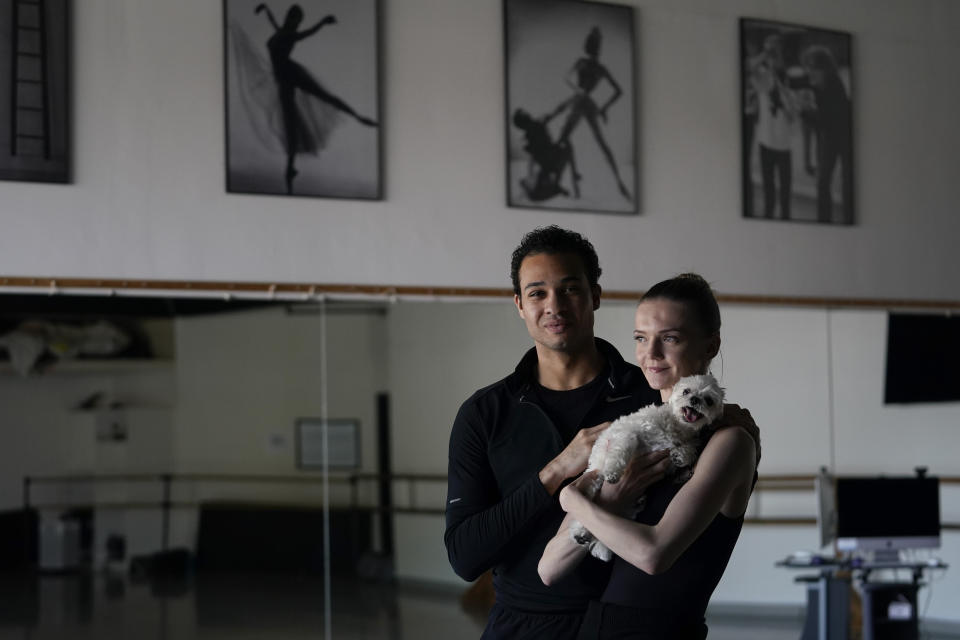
x=516, y=443
x=548, y=159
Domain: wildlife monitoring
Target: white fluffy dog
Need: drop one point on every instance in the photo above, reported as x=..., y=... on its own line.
x=696, y=401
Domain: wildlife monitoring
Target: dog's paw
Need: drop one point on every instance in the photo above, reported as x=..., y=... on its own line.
x=601, y=552
x=583, y=538
x=613, y=477
x=580, y=534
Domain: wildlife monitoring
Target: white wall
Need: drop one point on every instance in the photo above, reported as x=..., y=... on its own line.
x=244, y=378
x=225, y=401
x=148, y=199
x=439, y=354
x=44, y=433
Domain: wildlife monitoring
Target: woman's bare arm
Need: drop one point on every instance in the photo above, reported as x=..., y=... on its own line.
x=563, y=554
x=724, y=470
x=306, y=33
x=262, y=7
x=572, y=77
x=617, y=92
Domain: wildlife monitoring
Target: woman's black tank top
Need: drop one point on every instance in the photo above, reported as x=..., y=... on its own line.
x=681, y=593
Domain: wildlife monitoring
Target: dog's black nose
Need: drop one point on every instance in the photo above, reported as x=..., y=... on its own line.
x=694, y=401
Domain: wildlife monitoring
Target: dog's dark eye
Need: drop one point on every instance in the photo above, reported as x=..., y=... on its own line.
x=686, y=392
x=709, y=402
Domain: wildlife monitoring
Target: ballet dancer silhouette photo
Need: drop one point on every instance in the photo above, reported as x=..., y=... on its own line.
x=570, y=105
x=583, y=78
x=289, y=132
x=549, y=159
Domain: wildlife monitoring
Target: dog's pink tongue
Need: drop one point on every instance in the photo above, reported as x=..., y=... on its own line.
x=690, y=415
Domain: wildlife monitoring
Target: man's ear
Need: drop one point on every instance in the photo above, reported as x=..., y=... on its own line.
x=518, y=304
x=595, y=291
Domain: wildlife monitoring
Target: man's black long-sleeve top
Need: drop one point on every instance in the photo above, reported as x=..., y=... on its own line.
x=498, y=513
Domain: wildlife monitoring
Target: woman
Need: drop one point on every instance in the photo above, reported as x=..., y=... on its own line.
x=777, y=112
x=583, y=78
x=548, y=159
x=300, y=133
x=668, y=562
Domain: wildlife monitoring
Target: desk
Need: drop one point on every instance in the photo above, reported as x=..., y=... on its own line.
x=889, y=608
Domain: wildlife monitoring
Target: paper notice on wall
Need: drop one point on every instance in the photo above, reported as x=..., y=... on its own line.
x=342, y=444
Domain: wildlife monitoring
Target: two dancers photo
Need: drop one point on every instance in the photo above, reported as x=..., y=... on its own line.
x=570, y=106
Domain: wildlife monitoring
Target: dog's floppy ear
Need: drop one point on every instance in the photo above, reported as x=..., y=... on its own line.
x=713, y=382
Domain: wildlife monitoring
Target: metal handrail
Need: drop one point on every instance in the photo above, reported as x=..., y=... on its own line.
x=767, y=483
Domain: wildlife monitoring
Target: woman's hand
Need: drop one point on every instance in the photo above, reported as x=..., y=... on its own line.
x=736, y=416
x=571, y=494
x=331, y=19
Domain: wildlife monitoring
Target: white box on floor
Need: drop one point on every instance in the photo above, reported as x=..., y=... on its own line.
x=59, y=544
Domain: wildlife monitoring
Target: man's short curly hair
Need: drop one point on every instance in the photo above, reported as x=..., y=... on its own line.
x=553, y=240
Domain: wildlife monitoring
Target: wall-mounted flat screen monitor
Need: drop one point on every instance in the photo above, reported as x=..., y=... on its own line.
x=922, y=355
x=887, y=513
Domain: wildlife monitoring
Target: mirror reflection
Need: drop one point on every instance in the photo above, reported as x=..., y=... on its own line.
x=175, y=486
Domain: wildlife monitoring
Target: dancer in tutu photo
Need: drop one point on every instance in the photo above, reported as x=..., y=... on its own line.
x=283, y=109
x=290, y=77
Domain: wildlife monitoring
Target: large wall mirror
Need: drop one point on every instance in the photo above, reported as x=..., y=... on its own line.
x=183, y=442
x=177, y=460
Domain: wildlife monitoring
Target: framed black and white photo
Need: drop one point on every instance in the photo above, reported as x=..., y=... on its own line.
x=570, y=105
x=35, y=83
x=302, y=97
x=796, y=123
x=342, y=438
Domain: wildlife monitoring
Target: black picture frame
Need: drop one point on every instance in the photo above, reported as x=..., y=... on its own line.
x=569, y=65
x=35, y=82
x=304, y=120
x=343, y=437
x=796, y=123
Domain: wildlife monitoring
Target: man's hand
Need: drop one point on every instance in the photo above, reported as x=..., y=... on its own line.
x=644, y=470
x=736, y=416
x=572, y=460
